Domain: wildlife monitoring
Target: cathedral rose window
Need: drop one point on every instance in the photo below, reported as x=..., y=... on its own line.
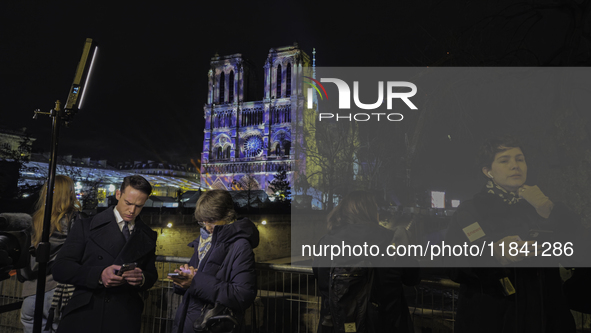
x=253, y=146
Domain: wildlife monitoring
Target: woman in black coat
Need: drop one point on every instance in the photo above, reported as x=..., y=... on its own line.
x=506, y=293
x=355, y=222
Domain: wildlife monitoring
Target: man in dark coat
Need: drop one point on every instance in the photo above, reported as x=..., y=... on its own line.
x=92, y=256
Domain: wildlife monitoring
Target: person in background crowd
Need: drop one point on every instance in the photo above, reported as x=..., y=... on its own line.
x=502, y=298
x=64, y=211
x=355, y=221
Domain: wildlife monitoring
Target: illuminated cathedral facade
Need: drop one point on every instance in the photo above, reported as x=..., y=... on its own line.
x=247, y=140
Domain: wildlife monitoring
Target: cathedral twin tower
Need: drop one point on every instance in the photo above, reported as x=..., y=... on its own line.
x=247, y=140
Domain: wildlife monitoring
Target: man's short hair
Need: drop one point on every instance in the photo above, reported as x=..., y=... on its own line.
x=215, y=205
x=137, y=182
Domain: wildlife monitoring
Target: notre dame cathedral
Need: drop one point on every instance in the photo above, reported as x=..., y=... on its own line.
x=248, y=139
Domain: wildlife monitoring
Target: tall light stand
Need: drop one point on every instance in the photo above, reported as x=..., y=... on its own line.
x=73, y=103
x=43, y=249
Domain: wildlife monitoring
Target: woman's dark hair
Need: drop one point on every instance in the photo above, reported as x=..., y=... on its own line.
x=137, y=182
x=215, y=205
x=490, y=148
x=356, y=207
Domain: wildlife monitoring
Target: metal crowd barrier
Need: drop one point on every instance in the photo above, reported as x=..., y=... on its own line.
x=286, y=302
x=432, y=305
x=10, y=304
x=160, y=302
x=287, y=299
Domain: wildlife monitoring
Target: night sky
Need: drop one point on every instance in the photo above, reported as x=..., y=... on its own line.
x=146, y=97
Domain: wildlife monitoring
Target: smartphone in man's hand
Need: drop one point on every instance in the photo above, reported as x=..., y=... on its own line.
x=125, y=268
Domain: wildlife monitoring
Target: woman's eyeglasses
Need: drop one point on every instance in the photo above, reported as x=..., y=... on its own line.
x=204, y=223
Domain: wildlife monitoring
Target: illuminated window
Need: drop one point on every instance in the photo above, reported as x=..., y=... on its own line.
x=253, y=146
x=231, y=87
x=222, y=87
x=437, y=199
x=288, y=80
x=278, y=94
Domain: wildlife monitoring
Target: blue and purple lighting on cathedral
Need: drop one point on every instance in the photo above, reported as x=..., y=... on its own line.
x=248, y=139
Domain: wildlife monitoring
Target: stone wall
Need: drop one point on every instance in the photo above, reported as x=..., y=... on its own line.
x=306, y=229
x=275, y=236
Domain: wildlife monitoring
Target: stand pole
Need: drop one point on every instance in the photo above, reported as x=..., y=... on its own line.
x=43, y=248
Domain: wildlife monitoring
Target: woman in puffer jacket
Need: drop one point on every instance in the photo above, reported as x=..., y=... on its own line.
x=222, y=269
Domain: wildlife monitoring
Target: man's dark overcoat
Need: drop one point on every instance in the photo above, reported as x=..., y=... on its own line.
x=92, y=245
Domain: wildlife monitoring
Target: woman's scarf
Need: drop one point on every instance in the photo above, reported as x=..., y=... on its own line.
x=204, y=243
x=510, y=198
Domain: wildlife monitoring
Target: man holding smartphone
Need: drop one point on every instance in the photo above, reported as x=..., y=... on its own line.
x=110, y=258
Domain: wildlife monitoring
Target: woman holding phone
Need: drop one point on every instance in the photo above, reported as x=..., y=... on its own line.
x=221, y=271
